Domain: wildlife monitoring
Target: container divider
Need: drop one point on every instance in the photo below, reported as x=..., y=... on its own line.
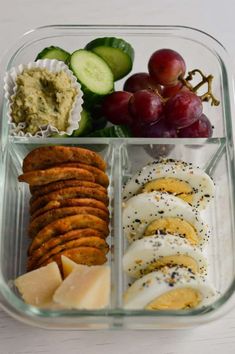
x=117, y=276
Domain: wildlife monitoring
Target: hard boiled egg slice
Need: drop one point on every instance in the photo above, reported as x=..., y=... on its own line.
x=171, y=288
x=153, y=213
x=154, y=252
x=178, y=178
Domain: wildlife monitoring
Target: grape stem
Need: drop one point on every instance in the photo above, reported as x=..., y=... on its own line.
x=207, y=96
x=163, y=100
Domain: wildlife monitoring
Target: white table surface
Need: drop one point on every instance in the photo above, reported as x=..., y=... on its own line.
x=215, y=17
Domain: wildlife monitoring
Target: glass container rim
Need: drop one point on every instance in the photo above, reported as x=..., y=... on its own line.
x=30, y=310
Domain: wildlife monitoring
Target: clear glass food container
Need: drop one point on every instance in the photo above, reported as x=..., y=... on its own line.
x=124, y=157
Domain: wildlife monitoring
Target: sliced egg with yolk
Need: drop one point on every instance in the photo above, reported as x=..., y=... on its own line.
x=170, y=288
x=178, y=178
x=160, y=213
x=154, y=252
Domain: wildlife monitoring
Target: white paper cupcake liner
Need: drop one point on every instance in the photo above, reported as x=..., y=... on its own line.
x=10, y=88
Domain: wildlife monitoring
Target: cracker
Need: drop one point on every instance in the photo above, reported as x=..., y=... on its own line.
x=54, y=186
x=95, y=242
x=44, y=219
x=46, y=156
x=61, y=226
x=68, y=193
x=55, y=241
x=83, y=202
x=99, y=175
x=81, y=255
x=42, y=177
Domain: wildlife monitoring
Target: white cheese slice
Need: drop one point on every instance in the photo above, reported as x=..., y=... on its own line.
x=37, y=287
x=68, y=265
x=85, y=288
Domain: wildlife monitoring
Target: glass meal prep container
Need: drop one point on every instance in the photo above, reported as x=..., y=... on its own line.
x=124, y=156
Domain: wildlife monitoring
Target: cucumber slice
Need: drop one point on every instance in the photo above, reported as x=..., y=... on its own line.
x=53, y=53
x=93, y=73
x=55, y=135
x=118, y=54
x=115, y=131
x=85, y=125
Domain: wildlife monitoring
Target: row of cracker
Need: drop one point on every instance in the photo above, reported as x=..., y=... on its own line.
x=69, y=205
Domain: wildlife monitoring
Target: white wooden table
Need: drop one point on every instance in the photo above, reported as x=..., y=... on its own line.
x=213, y=16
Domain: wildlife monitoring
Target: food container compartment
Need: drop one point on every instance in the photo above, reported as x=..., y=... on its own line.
x=124, y=157
x=145, y=40
x=15, y=220
x=212, y=158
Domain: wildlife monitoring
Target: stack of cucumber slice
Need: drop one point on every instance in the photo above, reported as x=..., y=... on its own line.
x=102, y=62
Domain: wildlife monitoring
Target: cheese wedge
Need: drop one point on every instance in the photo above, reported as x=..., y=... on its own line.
x=85, y=288
x=37, y=287
x=68, y=265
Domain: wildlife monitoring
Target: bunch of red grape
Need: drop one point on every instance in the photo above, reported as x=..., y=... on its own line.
x=157, y=103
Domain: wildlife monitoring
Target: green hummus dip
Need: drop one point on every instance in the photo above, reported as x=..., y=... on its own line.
x=43, y=98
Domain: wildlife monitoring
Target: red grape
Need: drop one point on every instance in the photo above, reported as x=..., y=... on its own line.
x=183, y=109
x=137, y=130
x=115, y=107
x=202, y=128
x=155, y=130
x=158, y=151
x=166, y=66
x=145, y=107
x=160, y=130
x=141, y=81
x=168, y=91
